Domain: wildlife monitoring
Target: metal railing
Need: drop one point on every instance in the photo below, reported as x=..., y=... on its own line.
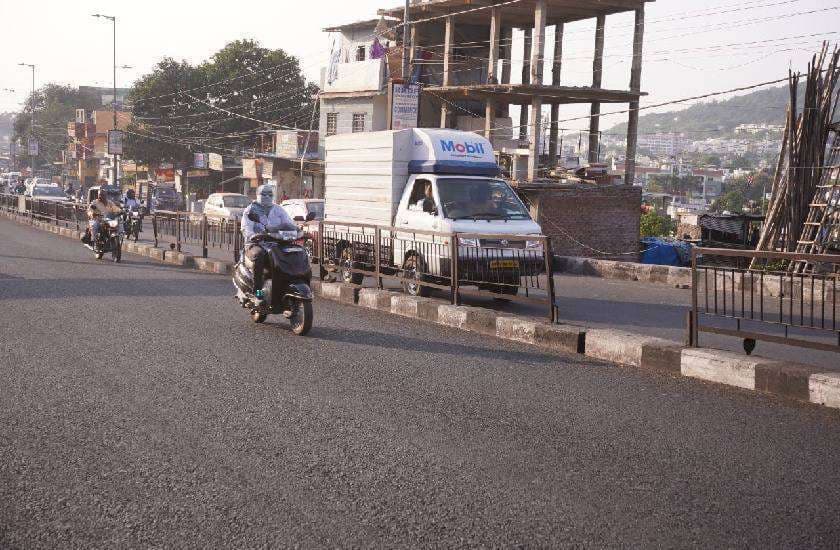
x=771, y=304
x=187, y=228
x=510, y=267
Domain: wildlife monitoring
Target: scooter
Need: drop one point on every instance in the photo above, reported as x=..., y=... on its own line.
x=286, y=289
x=134, y=224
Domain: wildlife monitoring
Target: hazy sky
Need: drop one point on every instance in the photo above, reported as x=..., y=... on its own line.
x=691, y=46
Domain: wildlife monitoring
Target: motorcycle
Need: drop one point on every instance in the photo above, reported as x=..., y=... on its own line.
x=109, y=239
x=134, y=224
x=286, y=289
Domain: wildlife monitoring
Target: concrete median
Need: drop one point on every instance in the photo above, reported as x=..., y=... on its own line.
x=624, y=348
x=340, y=292
x=474, y=319
x=374, y=298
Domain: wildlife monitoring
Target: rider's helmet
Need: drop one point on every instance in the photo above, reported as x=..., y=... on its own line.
x=129, y=194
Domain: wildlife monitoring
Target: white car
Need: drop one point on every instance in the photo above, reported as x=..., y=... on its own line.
x=225, y=206
x=51, y=193
x=303, y=207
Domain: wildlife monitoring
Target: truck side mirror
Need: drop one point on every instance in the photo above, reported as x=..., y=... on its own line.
x=429, y=206
x=310, y=216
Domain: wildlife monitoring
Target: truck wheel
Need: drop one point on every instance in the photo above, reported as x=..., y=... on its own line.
x=412, y=286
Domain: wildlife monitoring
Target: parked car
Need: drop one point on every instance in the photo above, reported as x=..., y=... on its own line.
x=51, y=193
x=114, y=193
x=225, y=206
x=303, y=207
x=166, y=198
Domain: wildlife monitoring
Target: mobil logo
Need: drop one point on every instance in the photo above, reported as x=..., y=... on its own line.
x=452, y=146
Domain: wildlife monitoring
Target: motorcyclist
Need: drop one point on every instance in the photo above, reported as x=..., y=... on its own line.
x=97, y=209
x=272, y=218
x=130, y=203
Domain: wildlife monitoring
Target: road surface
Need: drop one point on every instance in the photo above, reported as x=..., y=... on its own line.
x=140, y=407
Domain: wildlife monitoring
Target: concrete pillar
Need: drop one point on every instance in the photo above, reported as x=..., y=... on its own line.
x=597, y=76
x=526, y=79
x=557, y=66
x=537, y=56
x=635, y=86
x=495, y=32
x=506, y=49
x=449, y=34
x=489, y=118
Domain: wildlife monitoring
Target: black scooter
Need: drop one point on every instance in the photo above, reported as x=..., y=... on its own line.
x=286, y=289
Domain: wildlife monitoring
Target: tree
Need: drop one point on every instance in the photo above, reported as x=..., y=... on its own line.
x=218, y=106
x=733, y=201
x=654, y=225
x=54, y=106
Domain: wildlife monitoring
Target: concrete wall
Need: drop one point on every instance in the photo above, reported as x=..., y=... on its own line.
x=580, y=218
x=374, y=107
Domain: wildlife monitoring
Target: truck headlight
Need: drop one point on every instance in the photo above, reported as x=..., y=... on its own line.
x=469, y=242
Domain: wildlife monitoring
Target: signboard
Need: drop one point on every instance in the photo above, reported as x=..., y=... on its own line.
x=198, y=173
x=267, y=168
x=292, y=144
x=33, y=147
x=115, y=142
x=200, y=160
x=215, y=162
x=405, y=106
x=80, y=116
x=249, y=168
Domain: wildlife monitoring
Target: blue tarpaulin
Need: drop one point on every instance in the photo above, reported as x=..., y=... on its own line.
x=660, y=251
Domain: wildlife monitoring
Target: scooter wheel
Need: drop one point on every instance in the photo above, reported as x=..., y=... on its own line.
x=258, y=316
x=301, y=320
x=99, y=255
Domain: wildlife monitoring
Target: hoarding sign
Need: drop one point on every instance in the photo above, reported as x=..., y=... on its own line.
x=215, y=162
x=267, y=168
x=292, y=144
x=200, y=160
x=115, y=142
x=198, y=173
x=249, y=168
x=405, y=106
x=33, y=147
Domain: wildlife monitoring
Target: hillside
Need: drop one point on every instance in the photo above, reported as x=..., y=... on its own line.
x=760, y=107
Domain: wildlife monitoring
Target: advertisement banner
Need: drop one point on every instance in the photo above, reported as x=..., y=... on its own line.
x=215, y=162
x=267, y=168
x=198, y=173
x=292, y=144
x=33, y=147
x=250, y=168
x=115, y=142
x=200, y=160
x=405, y=106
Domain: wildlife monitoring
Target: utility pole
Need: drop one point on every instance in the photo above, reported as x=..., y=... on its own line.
x=115, y=164
x=32, y=116
x=405, y=43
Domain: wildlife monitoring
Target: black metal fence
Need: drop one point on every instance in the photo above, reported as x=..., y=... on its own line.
x=772, y=304
x=511, y=267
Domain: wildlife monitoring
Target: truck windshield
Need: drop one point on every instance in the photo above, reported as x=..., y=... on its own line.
x=479, y=199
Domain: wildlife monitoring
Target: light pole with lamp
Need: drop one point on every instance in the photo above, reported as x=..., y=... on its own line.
x=113, y=20
x=32, y=118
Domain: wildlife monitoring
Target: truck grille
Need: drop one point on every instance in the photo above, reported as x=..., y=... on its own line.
x=501, y=243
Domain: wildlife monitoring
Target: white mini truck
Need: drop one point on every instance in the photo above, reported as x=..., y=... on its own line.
x=418, y=187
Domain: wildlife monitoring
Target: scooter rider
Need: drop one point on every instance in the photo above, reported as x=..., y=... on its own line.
x=130, y=203
x=272, y=218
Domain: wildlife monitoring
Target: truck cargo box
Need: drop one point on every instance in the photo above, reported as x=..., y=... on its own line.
x=366, y=173
x=365, y=176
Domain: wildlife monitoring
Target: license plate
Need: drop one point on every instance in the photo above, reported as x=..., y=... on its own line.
x=504, y=264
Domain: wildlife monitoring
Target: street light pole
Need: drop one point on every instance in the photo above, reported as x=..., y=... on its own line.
x=113, y=20
x=31, y=114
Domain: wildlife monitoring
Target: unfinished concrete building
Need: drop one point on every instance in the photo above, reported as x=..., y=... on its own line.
x=460, y=53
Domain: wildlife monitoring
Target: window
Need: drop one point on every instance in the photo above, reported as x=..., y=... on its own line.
x=360, y=53
x=332, y=123
x=358, y=122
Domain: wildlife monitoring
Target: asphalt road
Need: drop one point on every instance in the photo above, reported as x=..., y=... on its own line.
x=139, y=407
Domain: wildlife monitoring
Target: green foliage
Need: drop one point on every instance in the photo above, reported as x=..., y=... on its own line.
x=175, y=119
x=55, y=106
x=733, y=201
x=654, y=225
